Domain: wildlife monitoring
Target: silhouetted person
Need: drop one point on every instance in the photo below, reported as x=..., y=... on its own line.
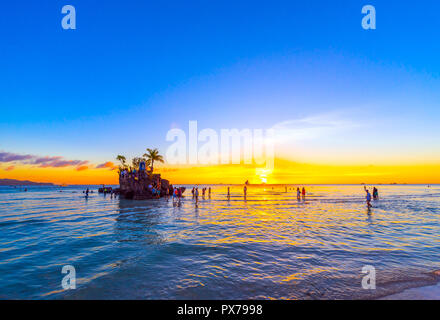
x=368, y=198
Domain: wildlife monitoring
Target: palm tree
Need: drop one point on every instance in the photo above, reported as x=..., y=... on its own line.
x=151, y=156
x=122, y=159
x=136, y=162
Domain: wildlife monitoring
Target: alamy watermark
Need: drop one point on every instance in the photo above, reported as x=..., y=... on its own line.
x=369, y=280
x=228, y=146
x=369, y=20
x=69, y=281
x=69, y=20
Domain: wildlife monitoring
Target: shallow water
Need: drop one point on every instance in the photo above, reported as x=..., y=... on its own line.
x=269, y=246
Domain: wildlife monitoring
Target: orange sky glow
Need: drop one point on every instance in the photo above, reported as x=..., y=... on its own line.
x=284, y=172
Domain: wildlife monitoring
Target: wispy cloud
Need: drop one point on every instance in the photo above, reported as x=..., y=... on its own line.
x=11, y=157
x=312, y=127
x=43, y=162
x=10, y=168
x=63, y=163
x=107, y=165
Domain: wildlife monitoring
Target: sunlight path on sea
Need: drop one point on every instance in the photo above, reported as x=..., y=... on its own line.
x=269, y=245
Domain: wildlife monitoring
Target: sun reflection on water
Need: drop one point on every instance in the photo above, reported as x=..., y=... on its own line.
x=266, y=245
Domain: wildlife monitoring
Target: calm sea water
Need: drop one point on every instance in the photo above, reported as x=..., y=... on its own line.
x=269, y=246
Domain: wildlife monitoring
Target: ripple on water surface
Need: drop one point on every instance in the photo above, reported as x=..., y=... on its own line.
x=267, y=246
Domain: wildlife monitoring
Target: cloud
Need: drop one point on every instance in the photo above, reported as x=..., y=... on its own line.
x=10, y=168
x=63, y=163
x=11, y=157
x=311, y=128
x=82, y=168
x=43, y=162
x=105, y=165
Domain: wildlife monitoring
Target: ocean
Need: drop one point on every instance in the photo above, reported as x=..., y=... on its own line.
x=267, y=246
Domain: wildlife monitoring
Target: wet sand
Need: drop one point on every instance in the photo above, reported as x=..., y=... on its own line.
x=422, y=293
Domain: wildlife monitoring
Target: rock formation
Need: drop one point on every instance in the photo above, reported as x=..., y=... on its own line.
x=138, y=186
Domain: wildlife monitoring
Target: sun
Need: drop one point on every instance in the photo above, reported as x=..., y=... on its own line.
x=263, y=174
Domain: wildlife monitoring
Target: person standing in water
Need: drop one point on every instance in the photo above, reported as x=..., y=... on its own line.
x=298, y=193
x=174, y=194
x=229, y=194
x=196, y=194
x=375, y=194
x=209, y=192
x=245, y=191
x=368, y=198
x=304, y=193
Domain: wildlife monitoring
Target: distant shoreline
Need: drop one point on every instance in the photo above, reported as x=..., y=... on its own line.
x=16, y=183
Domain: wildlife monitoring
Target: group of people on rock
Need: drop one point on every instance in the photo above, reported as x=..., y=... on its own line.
x=128, y=172
x=155, y=190
x=132, y=173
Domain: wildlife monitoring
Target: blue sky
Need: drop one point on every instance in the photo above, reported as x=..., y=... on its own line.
x=134, y=69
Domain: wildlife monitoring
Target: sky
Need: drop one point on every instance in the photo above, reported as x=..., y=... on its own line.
x=348, y=105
